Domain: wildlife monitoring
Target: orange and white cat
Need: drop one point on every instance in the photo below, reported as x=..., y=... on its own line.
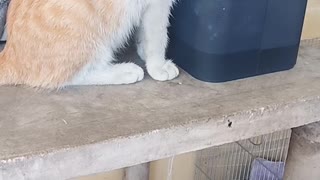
x=56, y=43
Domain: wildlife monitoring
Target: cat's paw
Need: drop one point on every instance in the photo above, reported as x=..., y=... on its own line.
x=162, y=71
x=129, y=73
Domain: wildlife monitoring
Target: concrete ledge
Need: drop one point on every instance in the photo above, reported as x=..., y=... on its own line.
x=86, y=130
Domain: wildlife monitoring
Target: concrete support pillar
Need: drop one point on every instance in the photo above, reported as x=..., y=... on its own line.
x=138, y=172
x=304, y=153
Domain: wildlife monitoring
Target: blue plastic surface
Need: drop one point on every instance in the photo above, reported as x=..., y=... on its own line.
x=222, y=40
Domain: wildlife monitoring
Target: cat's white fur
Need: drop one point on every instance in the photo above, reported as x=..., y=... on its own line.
x=151, y=17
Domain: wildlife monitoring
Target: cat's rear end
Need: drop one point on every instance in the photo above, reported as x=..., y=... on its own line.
x=53, y=43
x=48, y=41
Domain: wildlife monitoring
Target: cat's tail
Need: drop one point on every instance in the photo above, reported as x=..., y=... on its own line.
x=8, y=74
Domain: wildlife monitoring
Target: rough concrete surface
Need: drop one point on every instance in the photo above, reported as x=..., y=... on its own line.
x=84, y=130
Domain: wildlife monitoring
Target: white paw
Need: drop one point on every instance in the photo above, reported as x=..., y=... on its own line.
x=129, y=73
x=162, y=71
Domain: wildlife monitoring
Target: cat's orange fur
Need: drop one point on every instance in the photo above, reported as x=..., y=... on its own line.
x=62, y=51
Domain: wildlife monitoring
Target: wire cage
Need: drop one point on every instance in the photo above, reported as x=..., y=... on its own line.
x=259, y=158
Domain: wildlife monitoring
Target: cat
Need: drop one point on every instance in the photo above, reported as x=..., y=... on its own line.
x=55, y=43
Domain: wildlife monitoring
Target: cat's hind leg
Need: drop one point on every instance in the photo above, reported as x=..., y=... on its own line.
x=124, y=73
x=152, y=40
x=103, y=71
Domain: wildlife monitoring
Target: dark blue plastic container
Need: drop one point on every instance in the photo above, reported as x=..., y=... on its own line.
x=223, y=40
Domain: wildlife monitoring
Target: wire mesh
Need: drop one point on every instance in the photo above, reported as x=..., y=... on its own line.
x=311, y=42
x=258, y=158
